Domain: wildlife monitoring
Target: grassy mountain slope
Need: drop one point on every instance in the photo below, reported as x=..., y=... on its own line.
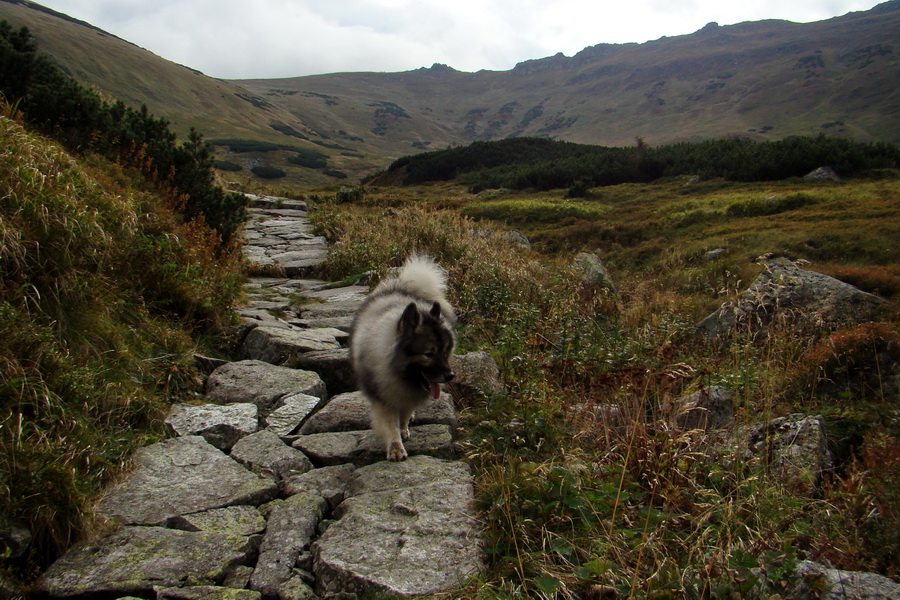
x=764, y=80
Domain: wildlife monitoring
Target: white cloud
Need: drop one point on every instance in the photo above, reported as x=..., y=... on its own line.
x=284, y=38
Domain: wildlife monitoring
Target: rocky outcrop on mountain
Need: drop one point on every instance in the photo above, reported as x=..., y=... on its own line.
x=276, y=488
x=785, y=294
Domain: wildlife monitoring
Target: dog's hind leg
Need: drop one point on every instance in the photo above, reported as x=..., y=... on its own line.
x=386, y=424
x=405, y=417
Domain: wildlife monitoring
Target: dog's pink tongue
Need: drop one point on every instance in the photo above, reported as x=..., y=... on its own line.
x=435, y=389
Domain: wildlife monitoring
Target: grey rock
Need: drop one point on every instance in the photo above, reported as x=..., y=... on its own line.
x=136, y=560
x=514, y=236
x=220, y=425
x=244, y=521
x=275, y=202
x=15, y=540
x=343, y=322
x=181, y=476
x=261, y=384
x=292, y=525
x=794, y=448
x=822, y=174
x=785, y=294
x=406, y=529
x=710, y=408
x=350, y=412
x=207, y=592
x=713, y=254
x=363, y=448
x=476, y=374
x=840, y=585
x=333, y=366
x=292, y=413
x=593, y=272
x=264, y=452
x=328, y=482
x=295, y=588
x=343, y=308
x=284, y=346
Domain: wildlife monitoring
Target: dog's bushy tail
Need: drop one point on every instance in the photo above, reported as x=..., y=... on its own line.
x=422, y=276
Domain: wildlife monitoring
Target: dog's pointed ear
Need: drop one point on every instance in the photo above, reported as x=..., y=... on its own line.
x=436, y=311
x=410, y=318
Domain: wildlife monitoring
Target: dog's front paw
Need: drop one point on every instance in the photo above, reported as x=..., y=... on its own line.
x=396, y=452
x=404, y=434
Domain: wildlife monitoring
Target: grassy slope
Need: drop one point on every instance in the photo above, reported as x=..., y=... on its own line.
x=102, y=290
x=587, y=489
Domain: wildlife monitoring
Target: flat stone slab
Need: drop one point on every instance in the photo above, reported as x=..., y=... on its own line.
x=135, y=560
x=350, y=412
x=363, y=448
x=292, y=525
x=280, y=346
x=328, y=482
x=180, y=476
x=406, y=528
x=220, y=425
x=260, y=383
x=333, y=366
x=264, y=452
x=232, y=520
x=291, y=413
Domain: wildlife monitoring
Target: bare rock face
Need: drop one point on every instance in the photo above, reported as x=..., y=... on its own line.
x=788, y=295
x=261, y=384
x=180, y=476
x=135, y=560
x=405, y=528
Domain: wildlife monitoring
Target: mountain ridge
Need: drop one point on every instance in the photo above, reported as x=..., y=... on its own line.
x=760, y=79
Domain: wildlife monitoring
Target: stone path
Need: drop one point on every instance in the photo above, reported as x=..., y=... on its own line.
x=275, y=487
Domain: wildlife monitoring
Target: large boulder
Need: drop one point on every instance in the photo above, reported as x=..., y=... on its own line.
x=405, y=529
x=785, y=294
x=260, y=383
x=136, y=560
x=180, y=476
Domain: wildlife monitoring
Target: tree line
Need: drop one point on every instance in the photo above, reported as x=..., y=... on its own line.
x=544, y=164
x=77, y=117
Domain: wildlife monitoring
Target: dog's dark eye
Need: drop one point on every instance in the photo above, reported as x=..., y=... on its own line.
x=429, y=354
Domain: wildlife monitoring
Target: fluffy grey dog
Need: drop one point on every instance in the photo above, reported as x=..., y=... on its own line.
x=401, y=343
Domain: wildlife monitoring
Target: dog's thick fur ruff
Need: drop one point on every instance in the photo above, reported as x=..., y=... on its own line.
x=401, y=343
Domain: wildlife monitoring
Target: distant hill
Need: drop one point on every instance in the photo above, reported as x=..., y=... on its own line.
x=763, y=80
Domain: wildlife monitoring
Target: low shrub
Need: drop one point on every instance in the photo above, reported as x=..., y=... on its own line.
x=267, y=172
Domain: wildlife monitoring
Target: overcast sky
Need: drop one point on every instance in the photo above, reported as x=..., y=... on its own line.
x=234, y=39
